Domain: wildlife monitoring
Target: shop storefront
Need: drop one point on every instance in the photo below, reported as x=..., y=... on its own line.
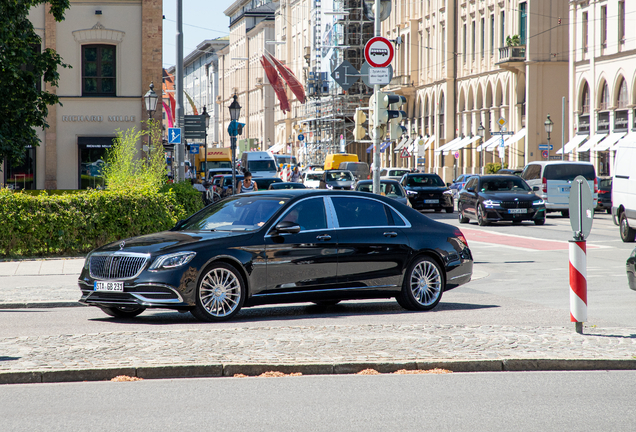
x=92, y=153
x=21, y=175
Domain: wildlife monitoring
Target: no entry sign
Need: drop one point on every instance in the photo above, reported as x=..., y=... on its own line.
x=378, y=52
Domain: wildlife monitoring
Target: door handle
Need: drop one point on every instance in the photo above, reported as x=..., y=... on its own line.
x=390, y=234
x=324, y=237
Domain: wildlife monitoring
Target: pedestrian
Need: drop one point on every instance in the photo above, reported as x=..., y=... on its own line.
x=247, y=184
x=295, y=176
x=188, y=174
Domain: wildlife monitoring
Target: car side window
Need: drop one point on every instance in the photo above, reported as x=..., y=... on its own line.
x=471, y=183
x=309, y=214
x=360, y=212
x=532, y=172
x=397, y=220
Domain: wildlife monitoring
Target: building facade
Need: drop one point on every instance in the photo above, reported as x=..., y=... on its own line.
x=115, y=52
x=602, y=80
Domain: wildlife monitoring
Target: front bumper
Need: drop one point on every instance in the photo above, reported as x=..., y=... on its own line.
x=419, y=202
x=497, y=214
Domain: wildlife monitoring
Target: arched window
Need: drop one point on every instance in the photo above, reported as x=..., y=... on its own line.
x=585, y=99
x=604, y=101
x=426, y=110
x=622, y=95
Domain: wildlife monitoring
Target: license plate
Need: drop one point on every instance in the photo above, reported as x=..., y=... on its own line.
x=109, y=286
x=516, y=211
x=435, y=201
x=565, y=189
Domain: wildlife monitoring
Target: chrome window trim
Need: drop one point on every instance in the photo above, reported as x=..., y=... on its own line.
x=121, y=253
x=329, y=222
x=405, y=220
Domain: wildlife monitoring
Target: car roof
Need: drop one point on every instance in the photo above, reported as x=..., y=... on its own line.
x=422, y=174
x=381, y=181
x=555, y=162
x=498, y=177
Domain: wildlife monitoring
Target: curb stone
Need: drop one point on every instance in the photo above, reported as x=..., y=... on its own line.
x=255, y=369
x=42, y=305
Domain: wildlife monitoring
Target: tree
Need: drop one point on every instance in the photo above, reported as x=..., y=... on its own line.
x=23, y=64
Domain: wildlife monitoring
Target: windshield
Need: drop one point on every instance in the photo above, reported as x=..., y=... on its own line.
x=235, y=214
x=339, y=176
x=512, y=184
x=390, y=190
x=397, y=173
x=313, y=176
x=605, y=183
x=261, y=165
x=425, y=180
x=569, y=171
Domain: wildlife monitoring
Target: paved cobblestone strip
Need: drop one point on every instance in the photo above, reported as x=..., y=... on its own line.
x=311, y=345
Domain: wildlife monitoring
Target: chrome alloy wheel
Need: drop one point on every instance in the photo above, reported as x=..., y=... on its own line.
x=220, y=292
x=426, y=283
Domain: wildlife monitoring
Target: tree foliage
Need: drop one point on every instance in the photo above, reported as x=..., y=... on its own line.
x=24, y=107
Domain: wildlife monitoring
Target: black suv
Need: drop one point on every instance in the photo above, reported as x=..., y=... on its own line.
x=428, y=191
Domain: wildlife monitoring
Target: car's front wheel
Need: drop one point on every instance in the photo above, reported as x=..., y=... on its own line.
x=220, y=293
x=481, y=216
x=122, y=311
x=628, y=234
x=423, y=285
x=460, y=215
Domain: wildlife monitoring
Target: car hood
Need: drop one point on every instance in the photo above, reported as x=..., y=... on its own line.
x=509, y=196
x=426, y=188
x=165, y=241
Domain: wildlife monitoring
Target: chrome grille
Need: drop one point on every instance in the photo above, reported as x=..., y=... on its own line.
x=116, y=266
x=516, y=204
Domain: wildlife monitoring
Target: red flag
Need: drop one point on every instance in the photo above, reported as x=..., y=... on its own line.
x=295, y=86
x=173, y=105
x=276, y=83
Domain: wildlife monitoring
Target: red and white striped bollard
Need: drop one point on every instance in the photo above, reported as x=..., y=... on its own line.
x=578, y=284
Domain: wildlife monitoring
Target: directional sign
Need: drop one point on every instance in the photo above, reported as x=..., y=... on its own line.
x=545, y=147
x=194, y=149
x=581, y=208
x=378, y=52
x=364, y=74
x=345, y=75
x=194, y=127
x=301, y=137
x=174, y=135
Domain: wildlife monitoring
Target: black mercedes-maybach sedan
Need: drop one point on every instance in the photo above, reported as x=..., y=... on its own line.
x=280, y=246
x=495, y=198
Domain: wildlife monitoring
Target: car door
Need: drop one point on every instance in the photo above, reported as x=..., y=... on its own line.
x=469, y=197
x=372, y=246
x=306, y=260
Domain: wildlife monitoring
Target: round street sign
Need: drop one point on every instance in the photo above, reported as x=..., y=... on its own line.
x=301, y=137
x=544, y=153
x=581, y=208
x=456, y=154
x=378, y=52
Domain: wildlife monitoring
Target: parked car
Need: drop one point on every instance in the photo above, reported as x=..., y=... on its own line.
x=604, y=195
x=311, y=179
x=337, y=179
x=359, y=169
x=286, y=185
x=388, y=188
x=393, y=173
x=631, y=270
x=280, y=247
x=459, y=183
x=624, y=191
x=554, y=179
x=511, y=171
x=496, y=198
x=428, y=191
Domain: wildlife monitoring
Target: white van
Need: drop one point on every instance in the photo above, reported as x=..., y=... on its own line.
x=624, y=191
x=260, y=163
x=554, y=179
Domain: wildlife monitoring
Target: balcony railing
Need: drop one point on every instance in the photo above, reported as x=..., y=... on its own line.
x=512, y=54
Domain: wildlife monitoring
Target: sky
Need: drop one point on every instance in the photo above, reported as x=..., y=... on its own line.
x=202, y=19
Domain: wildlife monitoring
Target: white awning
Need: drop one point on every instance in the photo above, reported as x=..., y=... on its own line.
x=458, y=144
x=492, y=146
x=448, y=145
x=428, y=142
x=466, y=143
x=276, y=148
x=573, y=144
x=488, y=143
x=628, y=139
x=401, y=144
x=609, y=141
x=516, y=137
x=594, y=139
x=409, y=144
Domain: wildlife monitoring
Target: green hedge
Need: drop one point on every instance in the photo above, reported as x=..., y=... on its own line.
x=71, y=224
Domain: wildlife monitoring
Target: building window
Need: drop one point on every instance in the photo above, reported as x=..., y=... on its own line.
x=92, y=153
x=441, y=117
x=428, y=48
x=492, y=34
x=502, y=42
x=523, y=20
x=443, y=45
x=621, y=103
x=621, y=22
x=585, y=34
x=473, y=41
x=585, y=100
x=604, y=101
x=465, y=44
x=98, y=70
x=603, y=26
x=483, y=37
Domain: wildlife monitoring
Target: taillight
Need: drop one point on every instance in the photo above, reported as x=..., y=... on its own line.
x=544, y=185
x=460, y=237
x=595, y=185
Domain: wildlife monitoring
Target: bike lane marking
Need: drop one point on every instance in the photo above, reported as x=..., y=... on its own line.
x=528, y=243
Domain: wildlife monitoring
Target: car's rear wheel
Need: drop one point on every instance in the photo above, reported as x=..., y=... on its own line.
x=628, y=234
x=423, y=285
x=122, y=311
x=460, y=215
x=539, y=221
x=565, y=213
x=481, y=216
x=220, y=293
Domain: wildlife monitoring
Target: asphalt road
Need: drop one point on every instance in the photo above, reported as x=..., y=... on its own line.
x=525, y=401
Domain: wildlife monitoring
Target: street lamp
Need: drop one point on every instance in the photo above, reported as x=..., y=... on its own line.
x=205, y=143
x=150, y=98
x=235, y=112
x=548, y=129
x=481, y=130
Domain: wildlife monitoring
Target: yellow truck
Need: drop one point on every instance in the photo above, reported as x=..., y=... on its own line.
x=219, y=161
x=333, y=160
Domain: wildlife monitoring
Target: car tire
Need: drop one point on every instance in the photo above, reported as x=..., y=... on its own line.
x=220, y=293
x=628, y=234
x=423, y=285
x=539, y=221
x=565, y=213
x=481, y=216
x=609, y=211
x=122, y=311
x=460, y=215
x=438, y=210
x=449, y=209
x=326, y=303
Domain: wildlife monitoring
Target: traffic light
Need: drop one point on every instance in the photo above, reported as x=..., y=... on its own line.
x=377, y=114
x=239, y=128
x=395, y=115
x=359, y=131
x=369, y=9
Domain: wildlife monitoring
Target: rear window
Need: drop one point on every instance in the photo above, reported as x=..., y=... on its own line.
x=605, y=183
x=568, y=172
x=532, y=172
x=425, y=180
x=261, y=165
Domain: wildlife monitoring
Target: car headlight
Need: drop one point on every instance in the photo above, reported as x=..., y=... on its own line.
x=171, y=261
x=538, y=203
x=411, y=193
x=329, y=186
x=353, y=186
x=448, y=192
x=491, y=203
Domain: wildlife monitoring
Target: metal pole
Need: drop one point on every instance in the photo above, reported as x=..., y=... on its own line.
x=376, y=122
x=180, y=153
x=562, y=128
x=233, y=144
x=205, y=156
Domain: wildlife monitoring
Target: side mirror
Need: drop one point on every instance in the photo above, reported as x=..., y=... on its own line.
x=470, y=189
x=535, y=188
x=178, y=224
x=448, y=184
x=287, y=227
x=411, y=193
